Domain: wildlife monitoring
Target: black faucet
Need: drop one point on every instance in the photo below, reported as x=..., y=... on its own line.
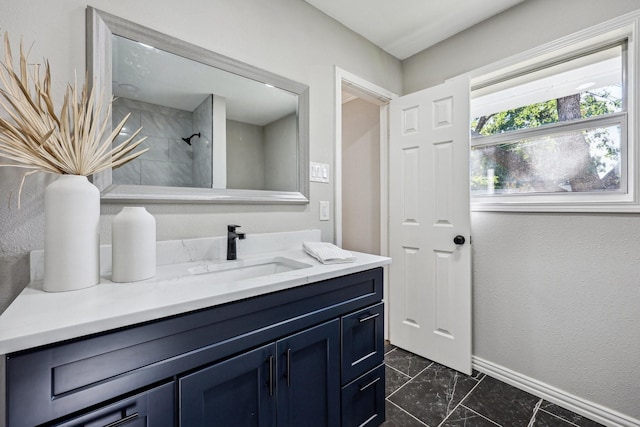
x=231, y=241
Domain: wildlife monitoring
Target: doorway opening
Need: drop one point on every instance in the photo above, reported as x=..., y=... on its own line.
x=361, y=166
x=360, y=174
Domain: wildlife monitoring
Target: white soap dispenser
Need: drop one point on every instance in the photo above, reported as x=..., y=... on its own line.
x=133, y=245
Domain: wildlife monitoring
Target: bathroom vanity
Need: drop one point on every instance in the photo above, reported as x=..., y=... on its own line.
x=302, y=345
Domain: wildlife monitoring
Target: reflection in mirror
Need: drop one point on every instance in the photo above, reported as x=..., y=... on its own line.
x=179, y=103
x=217, y=130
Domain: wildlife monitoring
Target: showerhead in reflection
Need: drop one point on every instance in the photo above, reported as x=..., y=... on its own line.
x=188, y=140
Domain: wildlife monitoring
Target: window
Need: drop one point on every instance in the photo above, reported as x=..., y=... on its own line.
x=553, y=134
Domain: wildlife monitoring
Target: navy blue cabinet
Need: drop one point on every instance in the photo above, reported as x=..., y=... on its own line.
x=362, y=341
x=239, y=391
x=363, y=400
x=152, y=408
x=309, y=377
x=288, y=358
x=362, y=358
x=290, y=383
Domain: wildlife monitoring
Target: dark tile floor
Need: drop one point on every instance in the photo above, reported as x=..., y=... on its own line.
x=424, y=393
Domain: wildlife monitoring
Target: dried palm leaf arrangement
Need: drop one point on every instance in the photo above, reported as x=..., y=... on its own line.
x=33, y=136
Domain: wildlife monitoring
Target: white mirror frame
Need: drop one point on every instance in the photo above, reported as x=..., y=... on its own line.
x=100, y=27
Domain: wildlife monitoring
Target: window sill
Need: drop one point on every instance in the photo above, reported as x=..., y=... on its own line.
x=517, y=204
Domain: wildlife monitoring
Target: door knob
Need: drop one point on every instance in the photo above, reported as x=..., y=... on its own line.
x=459, y=240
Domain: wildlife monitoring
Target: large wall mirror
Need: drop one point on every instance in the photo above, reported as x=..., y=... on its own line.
x=218, y=130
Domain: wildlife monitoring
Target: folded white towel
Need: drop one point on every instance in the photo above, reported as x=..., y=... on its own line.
x=328, y=253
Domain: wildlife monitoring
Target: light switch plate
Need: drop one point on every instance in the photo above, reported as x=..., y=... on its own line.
x=324, y=211
x=319, y=172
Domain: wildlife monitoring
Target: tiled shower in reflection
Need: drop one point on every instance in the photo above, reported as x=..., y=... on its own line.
x=170, y=161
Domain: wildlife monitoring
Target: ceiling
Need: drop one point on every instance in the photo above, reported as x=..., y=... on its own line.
x=147, y=74
x=405, y=27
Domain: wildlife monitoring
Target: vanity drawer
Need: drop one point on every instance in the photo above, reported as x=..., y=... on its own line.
x=362, y=341
x=154, y=407
x=363, y=400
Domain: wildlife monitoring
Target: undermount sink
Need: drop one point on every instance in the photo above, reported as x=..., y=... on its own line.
x=247, y=269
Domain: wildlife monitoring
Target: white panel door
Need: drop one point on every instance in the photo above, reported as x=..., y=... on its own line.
x=429, y=224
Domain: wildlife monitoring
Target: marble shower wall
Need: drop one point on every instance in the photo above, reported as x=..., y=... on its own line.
x=169, y=160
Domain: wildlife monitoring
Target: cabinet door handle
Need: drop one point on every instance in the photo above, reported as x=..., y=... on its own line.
x=123, y=421
x=364, y=387
x=271, y=376
x=369, y=317
x=289, y=367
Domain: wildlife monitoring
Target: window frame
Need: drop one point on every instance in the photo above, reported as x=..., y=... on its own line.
x=589, y=40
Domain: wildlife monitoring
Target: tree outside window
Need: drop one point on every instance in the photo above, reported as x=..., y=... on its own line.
x=568, y=140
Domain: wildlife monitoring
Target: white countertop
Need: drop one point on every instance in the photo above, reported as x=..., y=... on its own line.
x=37, y=318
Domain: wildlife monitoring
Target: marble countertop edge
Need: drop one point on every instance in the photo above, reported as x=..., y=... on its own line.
x=39, y=318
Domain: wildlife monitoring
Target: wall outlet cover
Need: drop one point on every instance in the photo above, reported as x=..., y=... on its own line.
x=324, y=211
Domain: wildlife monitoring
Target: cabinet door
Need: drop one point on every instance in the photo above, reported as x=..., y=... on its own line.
x=309, y=377
x=236, y=392
x=152, y=408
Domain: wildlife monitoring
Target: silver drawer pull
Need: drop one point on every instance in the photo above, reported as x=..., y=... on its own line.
x=371, y=316
x=123, y=421
x=364, y=387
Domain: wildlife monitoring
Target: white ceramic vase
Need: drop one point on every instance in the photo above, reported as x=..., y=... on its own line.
x=133, y=245
x=72, y=234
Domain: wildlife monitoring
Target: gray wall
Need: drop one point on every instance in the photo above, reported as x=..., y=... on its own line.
x=262, y=157
x=361, y=176
x=528, y=25
x=280, y=148
x=245, y=156
x=556, y=296
x=287, y=37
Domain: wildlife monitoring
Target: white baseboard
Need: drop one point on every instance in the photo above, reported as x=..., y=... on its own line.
x=576, y=404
